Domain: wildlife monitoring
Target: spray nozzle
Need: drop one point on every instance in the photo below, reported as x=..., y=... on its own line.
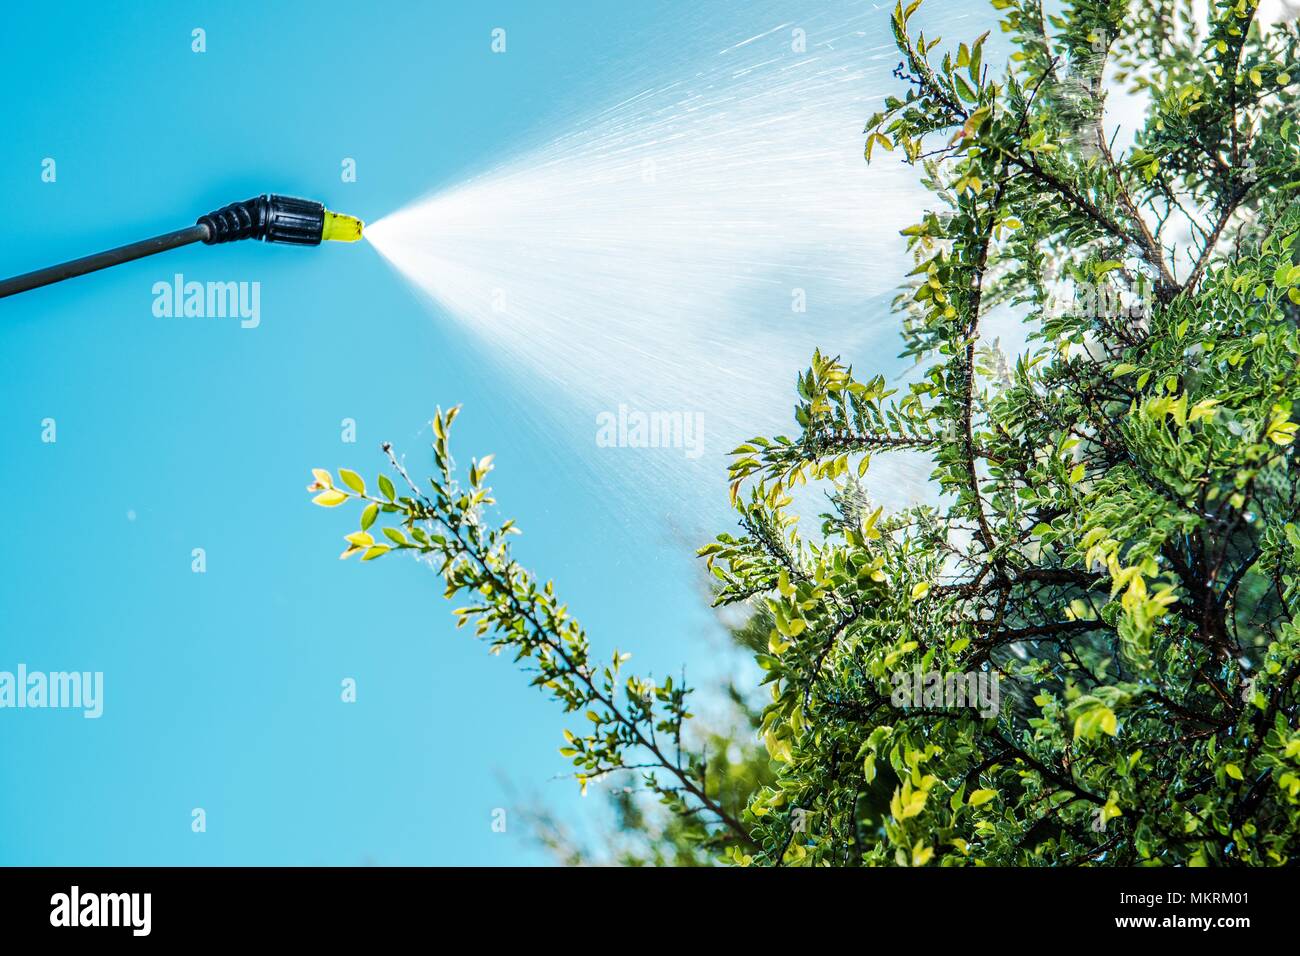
x=280, y=219
x=341, y=228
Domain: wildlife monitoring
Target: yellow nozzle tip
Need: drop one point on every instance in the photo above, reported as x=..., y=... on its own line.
x=341, y=228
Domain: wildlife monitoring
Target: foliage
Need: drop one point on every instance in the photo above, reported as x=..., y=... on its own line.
x=640, y=833
x=632, y=723
x=1115, y=535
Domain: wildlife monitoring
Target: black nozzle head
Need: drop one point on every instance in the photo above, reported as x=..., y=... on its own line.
x=271, y=218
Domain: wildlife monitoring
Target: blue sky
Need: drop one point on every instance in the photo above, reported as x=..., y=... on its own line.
x=222, y=689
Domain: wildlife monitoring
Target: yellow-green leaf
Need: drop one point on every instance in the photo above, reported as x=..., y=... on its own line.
x=352, y=480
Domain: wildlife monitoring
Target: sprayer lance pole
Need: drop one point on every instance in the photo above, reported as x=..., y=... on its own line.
x=270, y=218
x=102, y=260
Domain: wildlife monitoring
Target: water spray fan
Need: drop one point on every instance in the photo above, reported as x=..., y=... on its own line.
x=271, y=218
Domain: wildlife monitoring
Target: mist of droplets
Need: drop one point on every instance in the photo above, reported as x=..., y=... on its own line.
x=684, y=249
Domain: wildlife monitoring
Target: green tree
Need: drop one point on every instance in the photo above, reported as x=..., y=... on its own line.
x=1114, y=546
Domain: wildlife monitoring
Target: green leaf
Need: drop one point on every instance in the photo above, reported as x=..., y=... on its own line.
x=353, y=481
x=1093, y=719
